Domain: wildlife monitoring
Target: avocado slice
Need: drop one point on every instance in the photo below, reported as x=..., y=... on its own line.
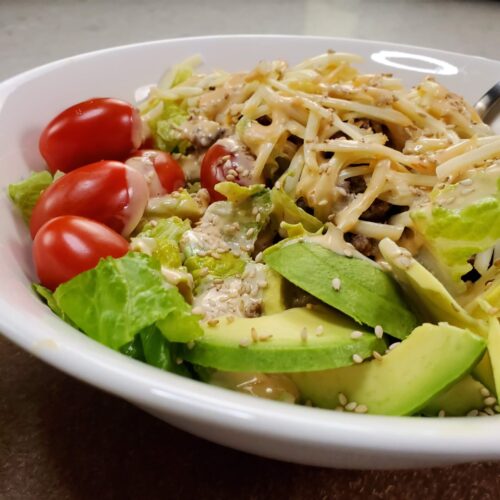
x=433, y=301
x=364, y=292
x=458, y=400
x=429, y=361
x=298, y=339
x=273, y=297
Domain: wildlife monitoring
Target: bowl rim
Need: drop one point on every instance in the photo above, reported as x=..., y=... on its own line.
x=184, y=398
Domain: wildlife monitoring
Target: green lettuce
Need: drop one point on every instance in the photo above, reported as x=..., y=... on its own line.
x=458, y=222
x=159, y=352
x=120, y=297
x=285, y=209
x=25, y=194
x=181, y=204
x=165, y=126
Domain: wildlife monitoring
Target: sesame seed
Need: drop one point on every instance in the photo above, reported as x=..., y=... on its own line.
x=441, y=413
x=258, y=257
x=258, y=217
x=379, y=331
x=253, y=333
x=331, y=217
x=376, y=355
x=215, y=255
x=357, y=358
x=473, y=413
x=336, y=284
x=250, y=232
x=348, y=253
x=212, y=322
x=356, y=334
x=393, y=346
x=230, y=177
x=229, y=319
x=489, y=411
x=404, y=262
x=265, y=337
x=277, y=185
x=203, y=272
x=232, y=171
x=322, y=203
x=244, y=342
x=342, y=399
x=484, y=392
x=319, y=330
x=466, y=182
x=361, y=409
x=262, y=284
x=351, y=406
x=483, y=414
x=490, y=401
x=303, y=334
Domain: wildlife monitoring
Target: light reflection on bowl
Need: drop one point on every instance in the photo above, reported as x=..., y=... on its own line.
x=401, y=60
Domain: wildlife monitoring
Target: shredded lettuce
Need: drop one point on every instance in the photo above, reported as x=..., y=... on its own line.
x=120, y=297
x=458, y=222
x=25, y=194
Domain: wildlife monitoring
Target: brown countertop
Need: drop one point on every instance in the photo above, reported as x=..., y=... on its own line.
x=60, y=438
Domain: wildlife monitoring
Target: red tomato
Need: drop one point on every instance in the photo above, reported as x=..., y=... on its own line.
x=161, y=171
x=68, y=245
x=109, y=192
x=221, y=164
x=93, y=130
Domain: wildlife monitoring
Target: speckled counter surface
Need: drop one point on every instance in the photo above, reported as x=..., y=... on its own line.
x=62, y=439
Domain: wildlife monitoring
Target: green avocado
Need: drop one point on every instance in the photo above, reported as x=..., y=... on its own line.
x=458, y=400
x=298, y=339
x=354, y=286
x=273, y=297
x=433, y=301
x=429, y=361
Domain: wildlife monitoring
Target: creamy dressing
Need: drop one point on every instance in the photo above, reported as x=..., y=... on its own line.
x=137, y=200
x=144, y=165
x=233, y=296
x=276, y=387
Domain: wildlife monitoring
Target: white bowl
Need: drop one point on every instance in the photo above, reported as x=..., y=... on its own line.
x=292, y=433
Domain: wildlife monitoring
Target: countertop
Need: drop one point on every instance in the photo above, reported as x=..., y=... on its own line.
x=60, y=438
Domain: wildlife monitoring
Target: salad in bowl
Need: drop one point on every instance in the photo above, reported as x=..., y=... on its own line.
x=308, y=234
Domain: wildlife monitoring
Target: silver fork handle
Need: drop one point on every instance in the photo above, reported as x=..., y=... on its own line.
x=486, y=102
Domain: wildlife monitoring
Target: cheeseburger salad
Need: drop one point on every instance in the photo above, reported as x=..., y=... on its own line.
x=307, y=234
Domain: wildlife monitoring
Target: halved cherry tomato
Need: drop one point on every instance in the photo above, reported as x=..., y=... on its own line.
x=93, y=130
x=222, y=164
x=160, y=169
x=69, y=245
x=109, y=192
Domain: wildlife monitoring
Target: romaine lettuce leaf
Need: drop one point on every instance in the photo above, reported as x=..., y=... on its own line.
x=25, y=194
x=459, y=221
x=181, y=204
x=285, y=209
x=159, y=352
x=120, y=297
x=164, y=126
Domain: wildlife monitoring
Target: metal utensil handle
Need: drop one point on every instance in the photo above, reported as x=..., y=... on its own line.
x=486, y=102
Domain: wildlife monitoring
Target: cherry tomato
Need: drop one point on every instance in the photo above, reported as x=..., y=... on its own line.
x=69, y=245
x=109, y=192
x=93, y=130
x=220, y=164
x=161, y=171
